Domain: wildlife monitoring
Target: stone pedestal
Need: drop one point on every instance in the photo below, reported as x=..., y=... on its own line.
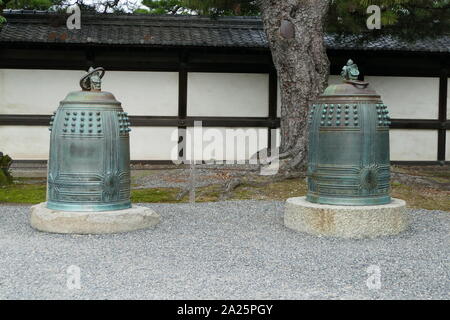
x=134, y=218
x=346, y=221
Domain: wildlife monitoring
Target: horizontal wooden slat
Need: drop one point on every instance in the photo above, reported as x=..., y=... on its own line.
x=151, y=121
x=161, y=121
x=418, y=124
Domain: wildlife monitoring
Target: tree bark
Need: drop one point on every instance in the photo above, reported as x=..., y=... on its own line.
x=295, y=31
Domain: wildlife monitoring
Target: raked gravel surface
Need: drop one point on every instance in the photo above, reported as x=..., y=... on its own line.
x=224, y=250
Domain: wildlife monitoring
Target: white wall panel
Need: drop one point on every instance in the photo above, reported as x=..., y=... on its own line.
x=332, y=79
x=156, y=143
x=209, y=94
x=220, y=143
x=144, y=93
x=32, y=142
x=276, y=133
x=407, y=97
x=228, y=94
x=40, y=91
x=25, y=142
x=413, y=145
x=27, y=91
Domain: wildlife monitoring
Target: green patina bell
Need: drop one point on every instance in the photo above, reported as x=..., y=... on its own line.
x=89, y=162
x=348, y=160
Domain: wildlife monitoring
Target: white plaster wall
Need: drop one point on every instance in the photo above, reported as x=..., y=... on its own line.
x=40, y=91
x=277, y=134
x=159, y=143
x=27, y=91
x=155, y=143
x=215, y=143
x=144, y=93
x=413, y=145
x=32, y=142
x=228, y=94
x=25, y=142
x=408, y=97
x=332, y=79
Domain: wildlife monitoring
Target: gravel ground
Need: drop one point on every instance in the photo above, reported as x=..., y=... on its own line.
x=224, y=250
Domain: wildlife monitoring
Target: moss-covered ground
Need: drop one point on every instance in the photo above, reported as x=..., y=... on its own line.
x=32, y=191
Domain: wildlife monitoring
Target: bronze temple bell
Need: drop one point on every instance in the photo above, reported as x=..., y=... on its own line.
x=89, y=162
x=348, y=161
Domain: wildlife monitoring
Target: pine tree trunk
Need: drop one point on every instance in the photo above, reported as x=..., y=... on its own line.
x=295, y=31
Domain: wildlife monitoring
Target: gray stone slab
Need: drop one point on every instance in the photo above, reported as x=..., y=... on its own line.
x=346, y=221
x=134, y=218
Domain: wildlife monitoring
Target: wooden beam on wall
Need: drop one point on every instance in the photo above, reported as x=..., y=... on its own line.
x=182, y=104
x=417, y=124
x=273, y=106
x=444, y=124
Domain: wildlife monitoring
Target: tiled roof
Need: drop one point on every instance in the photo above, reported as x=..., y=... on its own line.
x=147, y=30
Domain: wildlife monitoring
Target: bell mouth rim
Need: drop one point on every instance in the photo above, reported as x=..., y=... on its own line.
x=349, y=201
x=88, y=207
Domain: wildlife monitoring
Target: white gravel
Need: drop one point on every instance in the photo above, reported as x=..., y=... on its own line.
x=225, y=250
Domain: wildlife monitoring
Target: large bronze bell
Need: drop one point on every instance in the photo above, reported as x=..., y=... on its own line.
x=89, y=162
x=348, y=161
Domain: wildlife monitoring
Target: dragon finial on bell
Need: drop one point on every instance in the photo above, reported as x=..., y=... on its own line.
x=92, y=80
x=350, y=71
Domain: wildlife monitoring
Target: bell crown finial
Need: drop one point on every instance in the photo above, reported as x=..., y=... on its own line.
x=350, y=71
x=92, y=80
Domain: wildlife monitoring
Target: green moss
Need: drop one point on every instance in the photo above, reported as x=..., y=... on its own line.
x=438, y=173
x=3, y=179
x=154, y=195
x=425, y=198
x=207, y=194
x=31, y=191
x=272, y=191
x=5, y=174
x=23, y=193
x=35, y=193
x=244, y=193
